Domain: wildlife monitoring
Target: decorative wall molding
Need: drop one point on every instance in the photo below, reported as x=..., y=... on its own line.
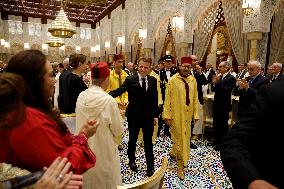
x=152, y=15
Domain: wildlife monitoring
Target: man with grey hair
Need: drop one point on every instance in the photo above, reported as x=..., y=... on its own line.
x=249, y=86
x=129, y=70
x=276, y=71
x=66, y=63
x=222, y=85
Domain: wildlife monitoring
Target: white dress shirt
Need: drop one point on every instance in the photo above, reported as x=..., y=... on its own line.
x=140, y=81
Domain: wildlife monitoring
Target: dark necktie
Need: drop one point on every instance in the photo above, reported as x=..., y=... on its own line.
x=186, y=86
x=143, y=83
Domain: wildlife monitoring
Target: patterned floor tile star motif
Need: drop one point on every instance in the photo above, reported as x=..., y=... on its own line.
x=205, y=168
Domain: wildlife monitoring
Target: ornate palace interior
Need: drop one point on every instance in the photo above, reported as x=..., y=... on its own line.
x=213, y=30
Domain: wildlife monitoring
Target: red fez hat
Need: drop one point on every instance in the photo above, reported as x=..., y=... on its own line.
x=99, y=70
x=186, y=60
x=117, y=57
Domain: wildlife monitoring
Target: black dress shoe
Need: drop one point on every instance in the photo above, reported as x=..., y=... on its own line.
x=193, y=146
x=150, y=172
x=120, y=147
x=133, y=166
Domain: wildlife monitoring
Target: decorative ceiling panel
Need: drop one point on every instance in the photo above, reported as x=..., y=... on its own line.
x=82, y=11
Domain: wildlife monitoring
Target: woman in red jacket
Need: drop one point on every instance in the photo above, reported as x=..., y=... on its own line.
x=38, y=135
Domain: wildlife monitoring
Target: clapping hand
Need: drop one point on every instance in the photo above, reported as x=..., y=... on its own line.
x=243, y=84
x=56, y=176
x=215, y=79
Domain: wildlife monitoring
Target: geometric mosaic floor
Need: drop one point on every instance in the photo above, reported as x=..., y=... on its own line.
x=205, y=168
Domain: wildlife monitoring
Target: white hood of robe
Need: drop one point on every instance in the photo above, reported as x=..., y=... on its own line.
x=92, y=102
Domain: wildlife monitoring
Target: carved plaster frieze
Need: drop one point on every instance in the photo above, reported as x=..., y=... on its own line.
x=260, y=19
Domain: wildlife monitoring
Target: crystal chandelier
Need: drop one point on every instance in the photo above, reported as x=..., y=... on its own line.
x=55, y=42
x=178, y=23
x=61, y=26
x=247, y=8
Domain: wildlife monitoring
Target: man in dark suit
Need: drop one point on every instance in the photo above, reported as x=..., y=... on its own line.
x=199, y=76
x=66, y=72
x=165, y=74
x=222, y=85
x=276, y=72
x=251, y=151
x=209, y=73
x=142, y=112
x=242, y=68
x=130, y=69
x=248, y=87
x=201, y=80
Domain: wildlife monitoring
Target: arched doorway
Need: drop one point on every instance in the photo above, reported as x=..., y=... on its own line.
x=220, y=46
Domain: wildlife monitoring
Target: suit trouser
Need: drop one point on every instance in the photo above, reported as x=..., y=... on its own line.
x=220, y=125
x=147, y=128
x=162, y=123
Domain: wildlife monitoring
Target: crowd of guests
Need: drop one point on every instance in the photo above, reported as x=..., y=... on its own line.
x=171, y=97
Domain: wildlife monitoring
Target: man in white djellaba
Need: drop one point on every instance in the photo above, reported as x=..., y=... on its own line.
x=95, y=103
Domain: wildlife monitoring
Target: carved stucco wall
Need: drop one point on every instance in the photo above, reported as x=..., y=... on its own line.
x=260, y=19
x=152, y=15
x=262, y=49
x=17, y=40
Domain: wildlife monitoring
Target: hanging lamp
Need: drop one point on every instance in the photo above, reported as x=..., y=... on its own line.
x=55, y=42
x=61, y=26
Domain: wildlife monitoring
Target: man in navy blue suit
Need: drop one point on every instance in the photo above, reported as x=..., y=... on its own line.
x=249, y=86
x=222, y=85
x=251, y=151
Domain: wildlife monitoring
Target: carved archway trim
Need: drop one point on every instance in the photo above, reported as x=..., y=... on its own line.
x=162, y=18
x=210, y=8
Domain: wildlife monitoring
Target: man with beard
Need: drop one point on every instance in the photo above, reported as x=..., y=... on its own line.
x=181, y=106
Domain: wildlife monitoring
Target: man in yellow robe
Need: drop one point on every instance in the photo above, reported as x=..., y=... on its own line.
x=181, y=106
x=116, y=78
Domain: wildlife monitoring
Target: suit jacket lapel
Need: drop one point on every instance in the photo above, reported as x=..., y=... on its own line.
x=149, y=82
x=254, y=81
x=224, y=79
